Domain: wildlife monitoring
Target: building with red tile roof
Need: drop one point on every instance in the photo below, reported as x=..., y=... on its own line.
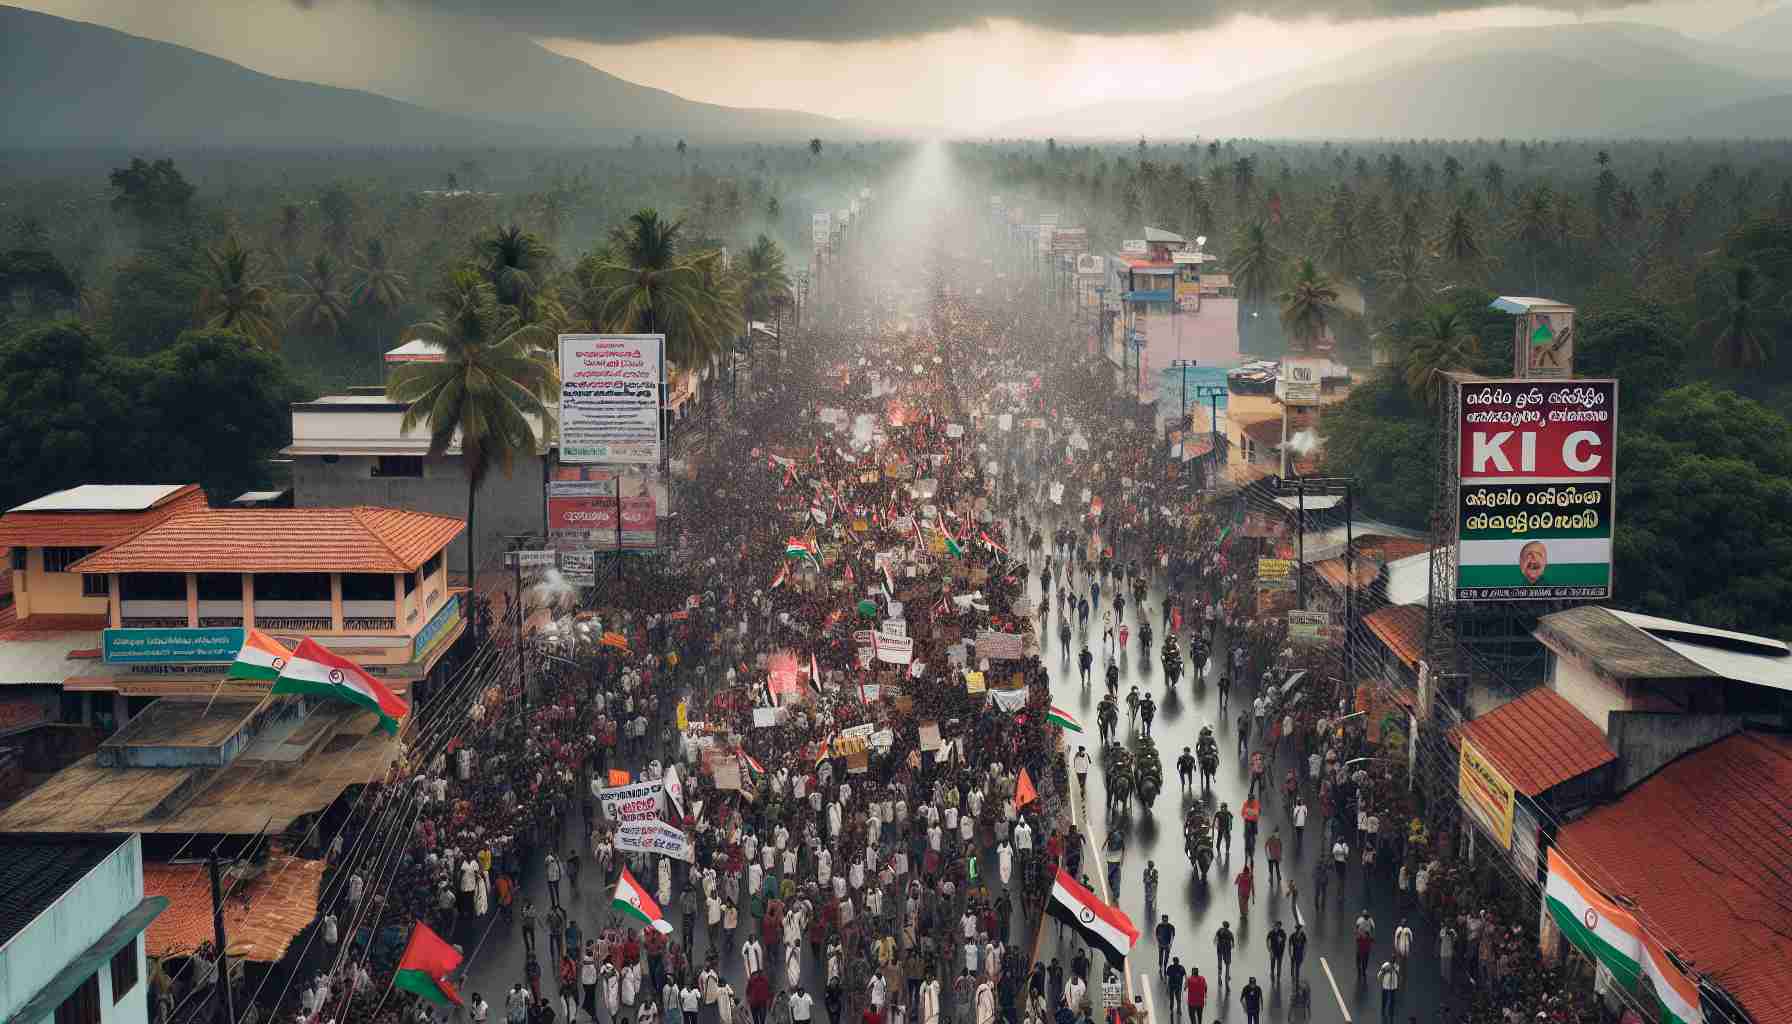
x=267, y=908
x=1401, y=627
x=1702, y=850
x=281, y=540
x=1538, y=741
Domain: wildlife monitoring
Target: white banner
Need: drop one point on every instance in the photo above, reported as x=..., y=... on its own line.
x=1009, y=701
x=895, y=650
x=675, y=788
x=654, y=836
x=610, y=398
x=1057, y=494
x=895, y=627
x=999, y=646
x=639, y=801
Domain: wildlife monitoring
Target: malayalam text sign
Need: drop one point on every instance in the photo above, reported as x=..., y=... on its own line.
x=638, y=801
x=1536, y=429
x=610, y=398
x=126, y=646
x=1486, y=794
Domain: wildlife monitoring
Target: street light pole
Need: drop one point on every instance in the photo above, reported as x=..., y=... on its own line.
x=1184, y=365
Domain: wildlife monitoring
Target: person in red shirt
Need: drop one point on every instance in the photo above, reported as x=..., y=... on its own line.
x=1247, y=885
x=759, y=996
x=1197, y=995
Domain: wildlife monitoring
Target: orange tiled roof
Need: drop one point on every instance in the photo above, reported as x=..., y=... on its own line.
x=1703, y=850
x=91, y=529
x=1402, y=628
x=261, y=916
x=1539, y=741
x=360, y=539
x=42, y=624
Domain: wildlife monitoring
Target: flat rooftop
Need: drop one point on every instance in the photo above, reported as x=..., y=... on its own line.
x=103, y=498
x=185, y=723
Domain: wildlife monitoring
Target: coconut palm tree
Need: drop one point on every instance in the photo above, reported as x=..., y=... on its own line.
x=1406, y=280
x=379, y=285
x=645, y=284
x=1439, y=340
x=1306, y=303
x=1458, y=245
x=235, y=297
x=1256, y=266
x=319, y=306
x=491, y=391
x=515, y=263
x=1532, y=223
x=765, y=283
x=1735, y=330
x=814, y=147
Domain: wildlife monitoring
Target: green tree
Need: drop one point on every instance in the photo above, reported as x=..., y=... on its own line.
x=1734, y=331
x=338, y=208
x=1638, y=344
x=765, y=282
x=1307, y=302
x=1438, y=341
x=647, y=285
x=318, y=304
x=214, y=409
x=1256, y=266
x=1532, y=225
x=155, y=195
x=236, y=297
x=1406, y=282
x=490, y=392
x=153, y=297
x=1381, y=438
x=70, y=415
x=814, y=147
x=1459, y=245
x=378, y=285
x=515, y=263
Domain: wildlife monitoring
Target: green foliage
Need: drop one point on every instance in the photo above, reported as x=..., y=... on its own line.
x=155, y=195
x=37, y=275
x=1704, y=522
x=211, y=409
x=153, y=298
x=1640, y=345
x=1387, y=442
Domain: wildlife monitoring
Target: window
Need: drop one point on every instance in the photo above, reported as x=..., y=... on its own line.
x=433, y=566
x=399, y=466
x=20, y=559
x=410, y=583
x=95, y=584
x=124, y=970
x=59, y=559
x=83, y=1004
x=292, y=586
x=152, y=586
x=366, y=586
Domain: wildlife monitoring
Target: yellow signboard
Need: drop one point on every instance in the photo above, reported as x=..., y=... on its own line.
x=1486, y=794
x=684, y=721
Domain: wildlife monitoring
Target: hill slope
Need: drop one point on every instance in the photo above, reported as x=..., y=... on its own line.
x=70, y=83
x=1767, y=117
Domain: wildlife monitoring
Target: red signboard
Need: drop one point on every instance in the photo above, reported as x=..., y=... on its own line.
x=1537, y=429
x=589, y=523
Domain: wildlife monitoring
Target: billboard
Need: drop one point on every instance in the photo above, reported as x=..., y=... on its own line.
x=170, y=645
x=1536, y=500
x=588, y=523
x=1486, y=794
x=1543, y=341
x=610, y=398
x=820, y=226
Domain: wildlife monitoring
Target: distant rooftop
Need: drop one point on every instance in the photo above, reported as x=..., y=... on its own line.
x=36, y=869
x=104, y=498
x=1160, y=235
x=1516, y=304
x=416, y=351
x=1628, y=645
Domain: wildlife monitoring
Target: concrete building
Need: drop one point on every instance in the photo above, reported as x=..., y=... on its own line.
x=72, y=915
x=350, y=449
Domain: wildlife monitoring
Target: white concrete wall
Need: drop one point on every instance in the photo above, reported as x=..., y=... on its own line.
x=1595, y=697
x=67, y=927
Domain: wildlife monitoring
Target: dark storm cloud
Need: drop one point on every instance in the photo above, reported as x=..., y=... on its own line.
x=853, y=20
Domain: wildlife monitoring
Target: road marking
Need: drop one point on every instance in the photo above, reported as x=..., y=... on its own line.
x=1339, y=996
x=1150, y=1000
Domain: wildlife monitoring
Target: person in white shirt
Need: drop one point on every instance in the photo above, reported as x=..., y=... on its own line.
x=478, y=1009
x=1299, y=815
x=1403, y=942
x=752, y=955
x=802, y=1007
x=689, y=1001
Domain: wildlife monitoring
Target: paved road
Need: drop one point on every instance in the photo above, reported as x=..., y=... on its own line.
x=1197, y=905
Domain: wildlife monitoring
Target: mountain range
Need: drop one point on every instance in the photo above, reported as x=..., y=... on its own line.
x=397, y=74
x=74, y=83
x=1595, y=79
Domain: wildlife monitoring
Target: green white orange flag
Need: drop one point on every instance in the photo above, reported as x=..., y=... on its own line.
x=1593, y=924
x=424, y=968
x=632, y=899
x=316, y=671
x=262, y=657
x=1063, y=719
x=1679, y=995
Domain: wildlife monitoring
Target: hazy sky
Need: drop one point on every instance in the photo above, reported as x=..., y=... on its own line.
x=965, y=66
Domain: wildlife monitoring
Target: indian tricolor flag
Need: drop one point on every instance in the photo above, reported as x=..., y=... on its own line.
x=632, y=899
x=424, y=968
x=1063, y=719
x=1105, y=927
x=1595, y=925
x=1678, y=994
x=261, y=658
x=315, y=671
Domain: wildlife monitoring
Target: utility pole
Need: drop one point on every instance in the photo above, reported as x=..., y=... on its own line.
x=1184, y=365
x=223, y=966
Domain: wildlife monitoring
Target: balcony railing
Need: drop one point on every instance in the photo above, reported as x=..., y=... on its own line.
x=220, y=621
x=294, y=623
x=153, y=622
x=369, y=623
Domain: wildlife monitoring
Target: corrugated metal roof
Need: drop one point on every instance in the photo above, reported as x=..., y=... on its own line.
x=35, y=870
x=1703, y=849
x=1539, y=741
x=104, y=498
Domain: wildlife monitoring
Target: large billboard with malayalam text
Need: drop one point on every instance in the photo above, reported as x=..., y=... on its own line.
x=610, y=398
x=1536, y=501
